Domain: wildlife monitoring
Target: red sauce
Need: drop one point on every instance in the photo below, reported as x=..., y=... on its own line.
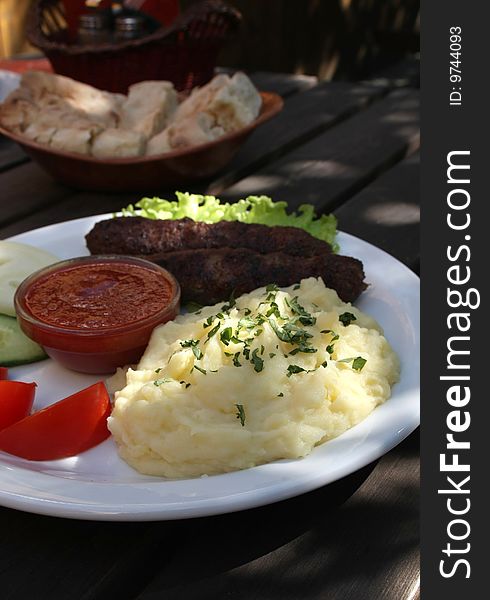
x=98, y=296
x=94, y=314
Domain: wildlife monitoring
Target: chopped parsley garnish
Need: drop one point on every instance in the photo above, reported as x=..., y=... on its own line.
x=273, y=310
x=158, y=370
x=357, y=362
x=330, y=348
x=297, y=286
x=260, y=319
x=185, y=383
x=213, y=331
x=226, y=335
x=304, y=316
x=193, y=307
x=324, y=364
x=257, y=362
x=292, y=369
x=246, y=323
x=194, y=345
x=236, y=362
x=280, y=395
x=230, y=304
x=271, y=354
x=347, y=318
x=208, y=322
x=159, y=382
x=240, y=414
x=303, y=348
x=290, y=333
x=203, y=371
x=271, y=291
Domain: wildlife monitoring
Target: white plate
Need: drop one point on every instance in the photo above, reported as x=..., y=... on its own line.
x=98, y=485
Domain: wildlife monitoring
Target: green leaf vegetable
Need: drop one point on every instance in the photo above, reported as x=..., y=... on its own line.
x=240, y=414
x=254, y=209
x=347, y=318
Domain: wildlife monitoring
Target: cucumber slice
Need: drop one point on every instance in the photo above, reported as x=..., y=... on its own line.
x=17, y=261
x=15, y=347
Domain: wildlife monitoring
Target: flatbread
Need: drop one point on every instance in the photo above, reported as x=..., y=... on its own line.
x=159, y=144
x=232, y=102
x=194, y=130
x=118, y=143
x=72, y=140
x=75, y=117
x=148, y=107
x=49, y=89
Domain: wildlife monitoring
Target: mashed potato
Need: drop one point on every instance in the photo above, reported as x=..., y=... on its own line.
x=268, y=377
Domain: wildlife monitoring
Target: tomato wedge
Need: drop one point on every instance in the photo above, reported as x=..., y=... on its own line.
x=16, y=400
x=4, y=373
x=66, y=428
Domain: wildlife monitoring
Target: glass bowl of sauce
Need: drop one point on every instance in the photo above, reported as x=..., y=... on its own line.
x=95, y=313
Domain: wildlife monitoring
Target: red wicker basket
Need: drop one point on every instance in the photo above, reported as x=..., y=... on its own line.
x=184, y=53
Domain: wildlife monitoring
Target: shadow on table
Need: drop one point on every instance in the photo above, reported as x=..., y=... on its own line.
x=299, y=548
x=105, y=560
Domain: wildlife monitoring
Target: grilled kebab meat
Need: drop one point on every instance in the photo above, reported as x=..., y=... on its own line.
x=208, y=276
x=152, y=237
x=213, y=260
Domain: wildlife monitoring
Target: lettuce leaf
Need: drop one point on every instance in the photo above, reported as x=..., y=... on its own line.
x=254, y=209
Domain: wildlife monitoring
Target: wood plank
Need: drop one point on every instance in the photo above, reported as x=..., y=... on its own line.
x=313, y=550
x=10, y=154
x=283, y=84
x=55, y=559
x=247, y=552
x=72, y=206
x=303, y=117
x=405, y=73
x=335, y=165
x=26, y=189
x=102, y=561
x=387, y=212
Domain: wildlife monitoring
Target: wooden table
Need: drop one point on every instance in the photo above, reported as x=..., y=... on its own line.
x=347, y=148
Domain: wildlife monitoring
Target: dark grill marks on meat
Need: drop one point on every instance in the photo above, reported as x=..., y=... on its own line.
x=208, y=276
x=211, y=261
x=152, y=238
